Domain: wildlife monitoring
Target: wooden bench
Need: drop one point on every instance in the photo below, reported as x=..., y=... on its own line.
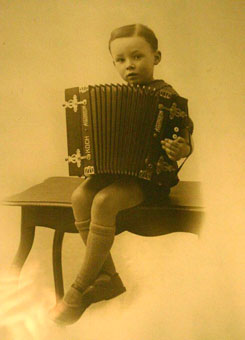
x=48, y=205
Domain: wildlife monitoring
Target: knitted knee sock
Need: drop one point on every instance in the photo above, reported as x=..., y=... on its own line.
x=108, y=266
x=99, y=242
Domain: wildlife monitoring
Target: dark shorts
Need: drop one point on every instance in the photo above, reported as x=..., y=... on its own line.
x=153, y=193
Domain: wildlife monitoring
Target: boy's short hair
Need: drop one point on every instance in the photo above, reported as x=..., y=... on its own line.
x=135, y=30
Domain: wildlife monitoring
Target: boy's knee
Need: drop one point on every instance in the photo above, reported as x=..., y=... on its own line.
x=104, y=204
x=81, y=204
x=82, y=193
x=77, y=196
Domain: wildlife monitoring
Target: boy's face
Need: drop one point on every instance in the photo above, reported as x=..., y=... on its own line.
x=134, y=59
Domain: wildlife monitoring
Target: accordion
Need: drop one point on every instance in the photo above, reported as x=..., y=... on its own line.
x=117, y=129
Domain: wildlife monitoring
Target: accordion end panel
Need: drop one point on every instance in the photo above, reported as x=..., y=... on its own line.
x=80, y=153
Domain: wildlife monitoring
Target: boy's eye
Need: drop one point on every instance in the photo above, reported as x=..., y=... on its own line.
x=119, y=60
x=137, y=57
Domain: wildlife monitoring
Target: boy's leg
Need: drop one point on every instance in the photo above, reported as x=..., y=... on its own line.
x=82, y=199
x=108, y=268
x=121, y=194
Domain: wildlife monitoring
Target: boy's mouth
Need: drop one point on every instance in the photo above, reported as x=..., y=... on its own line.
x=132, y=75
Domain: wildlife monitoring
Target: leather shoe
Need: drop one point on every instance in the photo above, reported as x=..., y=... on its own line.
x=66, y=313
x=105, y=289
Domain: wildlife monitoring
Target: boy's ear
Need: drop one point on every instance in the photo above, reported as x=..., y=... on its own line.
x=157, y=57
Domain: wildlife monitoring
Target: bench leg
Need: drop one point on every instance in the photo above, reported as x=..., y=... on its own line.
x=57, y=264
x=26, y=241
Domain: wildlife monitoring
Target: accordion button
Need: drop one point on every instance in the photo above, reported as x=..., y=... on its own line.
x=150, y=166
x=155, y=135
x=176, y=129
x=160, y=106
x=174, y=136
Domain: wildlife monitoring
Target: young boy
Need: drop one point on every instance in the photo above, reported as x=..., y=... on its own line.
x=97, y=201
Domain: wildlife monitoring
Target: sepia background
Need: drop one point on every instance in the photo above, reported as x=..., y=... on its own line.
x=178, y=287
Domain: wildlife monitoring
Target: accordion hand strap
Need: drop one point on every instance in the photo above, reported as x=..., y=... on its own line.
x=179, y=168
x=191, y=149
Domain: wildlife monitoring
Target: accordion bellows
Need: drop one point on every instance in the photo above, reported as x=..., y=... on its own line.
x=116, y=129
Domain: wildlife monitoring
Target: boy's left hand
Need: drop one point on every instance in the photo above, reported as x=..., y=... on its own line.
x=176, y=148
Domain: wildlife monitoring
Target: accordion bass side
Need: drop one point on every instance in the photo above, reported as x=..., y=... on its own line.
x=116, y=129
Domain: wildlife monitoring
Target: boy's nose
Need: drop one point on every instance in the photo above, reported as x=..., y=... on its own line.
x=130, y=66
